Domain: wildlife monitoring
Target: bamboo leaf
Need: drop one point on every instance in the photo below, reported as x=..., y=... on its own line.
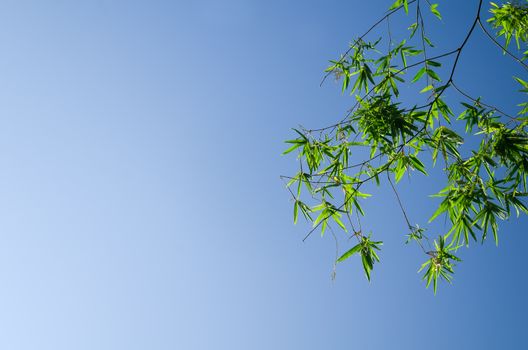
x=350, y=252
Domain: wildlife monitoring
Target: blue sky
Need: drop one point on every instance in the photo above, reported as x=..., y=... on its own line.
x=140, y=200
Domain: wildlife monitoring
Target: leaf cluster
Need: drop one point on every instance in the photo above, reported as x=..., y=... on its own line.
x=511, y=21
x=367, y=250
x=483, y=151
x=441, y=263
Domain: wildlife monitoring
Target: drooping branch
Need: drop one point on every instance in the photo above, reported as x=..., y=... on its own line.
x=390, y=13
x=398, y=136
x=504, y=49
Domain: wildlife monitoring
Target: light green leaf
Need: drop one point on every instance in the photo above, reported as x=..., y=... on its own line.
x=418, y=75
x=434, y=10
x=350, y=252
x=295, y=211
x=427, y=88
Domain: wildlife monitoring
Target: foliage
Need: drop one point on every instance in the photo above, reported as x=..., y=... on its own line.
x=366, y=248
x=483, y=150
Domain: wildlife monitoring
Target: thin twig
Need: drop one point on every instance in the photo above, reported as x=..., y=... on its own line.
x=524, y=65
x=399, y=201
x=403, y=211
x=350, y=111
x=364, y=35
x=480, y=102
x=337, y=252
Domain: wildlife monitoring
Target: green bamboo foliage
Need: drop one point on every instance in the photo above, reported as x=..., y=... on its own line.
x=482, y=150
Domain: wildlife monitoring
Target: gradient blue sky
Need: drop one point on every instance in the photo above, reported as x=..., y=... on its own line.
x=140, y=200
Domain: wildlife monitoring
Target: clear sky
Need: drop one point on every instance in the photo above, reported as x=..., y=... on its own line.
x=140, y=200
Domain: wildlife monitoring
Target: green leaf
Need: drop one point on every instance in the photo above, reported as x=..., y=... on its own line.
x=417, y=164
x=322, y=216
x=298, y=142
x=396, y=4
x=433, y=75
x=295, y=211
x=419, y=75
x=441, y=208
x=413, y=28
x=367, y=265
x=434, y=63
x=346, y=81
x=434, y=10
x=339, y=222
x=350, y=252
x=427, y=88
x=404, y=60
x=522, y=82
x=428, y=41
x=424, y=265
